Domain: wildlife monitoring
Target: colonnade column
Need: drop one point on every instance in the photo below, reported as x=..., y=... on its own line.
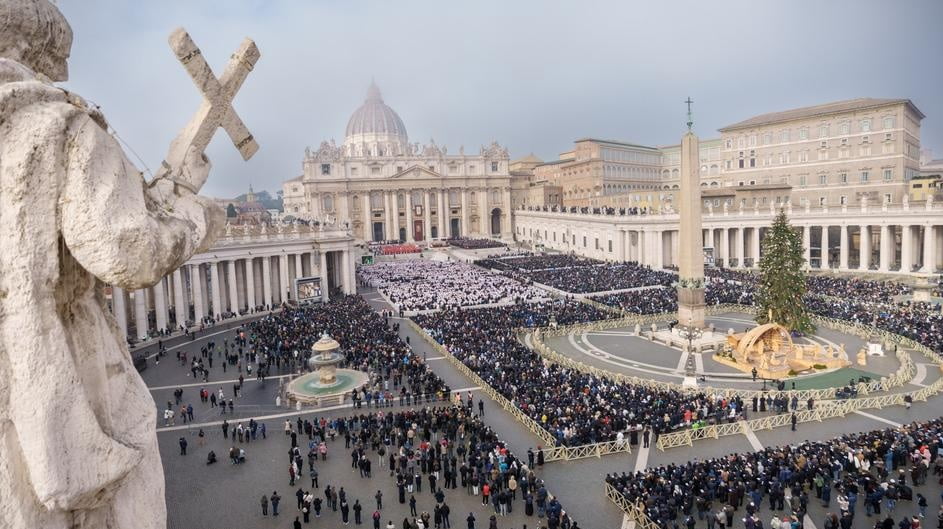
x=325, y=284
x=427, y=216
x=282, y=277
x=250, y=283
x=410, y=227
x=906, y=249
x=756, y=247
x=443, y=215
x=267, y=280
x=196, y=290
x=823, y=251
x=843, y=247
x=233, y=292
x=215, y=286
x=864, y=248
x=738, y=246
x=367, y=219
x=120, y=309
x=506, y=218
x=886, y=248
x=724, y=246
x=181, y=308
x=140, y=314
x=619, y=244
x=807, y=246
x=483, y=213
x=929, y=250
x=160, y=305
x=299, y=268
x=348, y=280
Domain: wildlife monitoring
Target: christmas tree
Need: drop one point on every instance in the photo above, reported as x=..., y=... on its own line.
x=781, y=293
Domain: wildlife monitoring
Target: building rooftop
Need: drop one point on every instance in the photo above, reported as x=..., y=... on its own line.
x=620, y=143
x=861, y=103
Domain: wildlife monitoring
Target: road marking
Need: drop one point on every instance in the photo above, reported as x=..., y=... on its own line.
x=879, y=419
x=920, y=375
x=641, y=462
x=754, y=441
x=807, y=522
x=699, y=363
x=204, y=384
x=192, y=342
x=682, y=362
x=431, y=358
x=293, y=413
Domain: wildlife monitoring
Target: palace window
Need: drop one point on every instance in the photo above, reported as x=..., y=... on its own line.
x=843, y=128
x=784, y=136
x=888, y=122
x=888, y=175
x=865, y=125
x=843, y=200
x=353, y=171
x=823, y=179
x=864, y=176
x=802, y=180
x=325, y=168
x=494, y=167
x=803, y=134
x=823, y=131
x=843, y=178
x=822, y=201
x=327, y=203
x=767, y=138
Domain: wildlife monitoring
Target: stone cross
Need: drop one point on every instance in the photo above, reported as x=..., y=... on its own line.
x=216, y=110
x=689, y=102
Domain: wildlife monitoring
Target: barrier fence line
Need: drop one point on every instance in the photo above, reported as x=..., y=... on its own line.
x=552, y=452
x=636, y=513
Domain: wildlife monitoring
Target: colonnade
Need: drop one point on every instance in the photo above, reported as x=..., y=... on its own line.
x=205, y=289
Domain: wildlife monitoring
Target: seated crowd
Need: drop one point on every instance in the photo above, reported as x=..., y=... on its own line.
x=862, y=471
x=474, y=244
x=585, y=279
x=576, y=408
x=538, y=262
x=421, y=285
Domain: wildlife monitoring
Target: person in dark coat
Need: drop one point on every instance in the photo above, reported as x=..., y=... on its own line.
x=471, y=521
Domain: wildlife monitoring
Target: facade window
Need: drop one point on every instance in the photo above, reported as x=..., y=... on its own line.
x=584, y=241
x=888, y=175
x=888, y=122
x=753, y=140
x=822, y=201
x=740, y=142
x=728, y=144
x=804, y=156
x=767, y=138
x=494, y=167
x=844, y=141
x=823, y=154
x=823, y=179
x=431, y=168
x=353, y=171
x=610, y=246
x=844, y=200
x=740, y=163
x=327, y=203
x=823, y=144
x=843, y=178
x=325, y=168
x=865, y=150
x=374, y=170
x=888, y=136
x=803, y=134
x=727, y=165
x=865, y=125
x=864, y=176
x=784, y=136
x=823, y=131
x=843, y=128
x=887, y=198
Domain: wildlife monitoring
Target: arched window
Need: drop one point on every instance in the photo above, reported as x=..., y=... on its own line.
x=327, y=202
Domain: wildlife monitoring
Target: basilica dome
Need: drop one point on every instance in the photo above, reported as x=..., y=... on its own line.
x=375, y=129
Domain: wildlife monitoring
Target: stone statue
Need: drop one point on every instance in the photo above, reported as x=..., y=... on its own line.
x=77, y=423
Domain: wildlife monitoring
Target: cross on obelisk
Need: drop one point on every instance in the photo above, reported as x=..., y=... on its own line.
x=690, y=102
x=216, y=110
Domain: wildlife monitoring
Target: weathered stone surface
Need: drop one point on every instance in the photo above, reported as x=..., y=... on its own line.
x=77, y=441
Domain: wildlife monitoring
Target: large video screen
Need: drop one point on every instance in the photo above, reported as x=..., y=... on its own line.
x=308, y=289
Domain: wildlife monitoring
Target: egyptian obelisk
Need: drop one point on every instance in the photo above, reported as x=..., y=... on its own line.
x=691, y=265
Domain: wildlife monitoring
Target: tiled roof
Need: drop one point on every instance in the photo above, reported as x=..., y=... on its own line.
x=819, y=110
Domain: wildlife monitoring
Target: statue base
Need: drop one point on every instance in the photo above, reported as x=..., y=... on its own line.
x=691, y=307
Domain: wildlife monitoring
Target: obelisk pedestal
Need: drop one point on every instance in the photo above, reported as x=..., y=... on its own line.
x=691, y=305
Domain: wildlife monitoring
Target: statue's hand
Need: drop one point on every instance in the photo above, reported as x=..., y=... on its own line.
x=195, y=170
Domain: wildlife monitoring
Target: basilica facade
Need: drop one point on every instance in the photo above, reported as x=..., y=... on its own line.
x=388, y=188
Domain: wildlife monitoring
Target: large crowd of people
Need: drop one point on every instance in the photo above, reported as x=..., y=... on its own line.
x=474, y=244
x=537, y=262
x=874, y=472
x=575, y=407
x=658, y=300
x=585, y=279
x=424, y=285
x=429, y=452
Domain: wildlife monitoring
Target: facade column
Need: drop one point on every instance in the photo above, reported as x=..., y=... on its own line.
x=843, y=247
x=233, y=291
x=196, y=290
x=886, y=249
x=250, y=283
x=483, y=216
x=724, y=246
x=120, y=309
x=283, y=277
x=388, y=215
x=367, y=218
x=181, y=308
x=507, y=217
x=267, y=281
x=216, y=288
x=299, y=269
x=807, y=246
x=325, y=285
x=463, y=230
x=738, y=246
x=619, y=244
x=823, y=251
x=864, y=248
x=408, y=195
x=443, y=214
x=427, y=216
x=160, y=305
x=140, y=314
x=906, y=249
x=929, y=250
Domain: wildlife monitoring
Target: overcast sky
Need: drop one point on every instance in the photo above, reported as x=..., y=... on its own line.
x=532, y=75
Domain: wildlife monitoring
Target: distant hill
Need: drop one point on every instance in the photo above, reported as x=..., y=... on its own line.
x=266, y=199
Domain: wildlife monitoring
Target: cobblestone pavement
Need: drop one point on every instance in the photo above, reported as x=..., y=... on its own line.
x=227, y=496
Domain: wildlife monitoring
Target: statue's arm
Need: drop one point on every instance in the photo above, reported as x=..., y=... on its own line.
x=120, y=229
